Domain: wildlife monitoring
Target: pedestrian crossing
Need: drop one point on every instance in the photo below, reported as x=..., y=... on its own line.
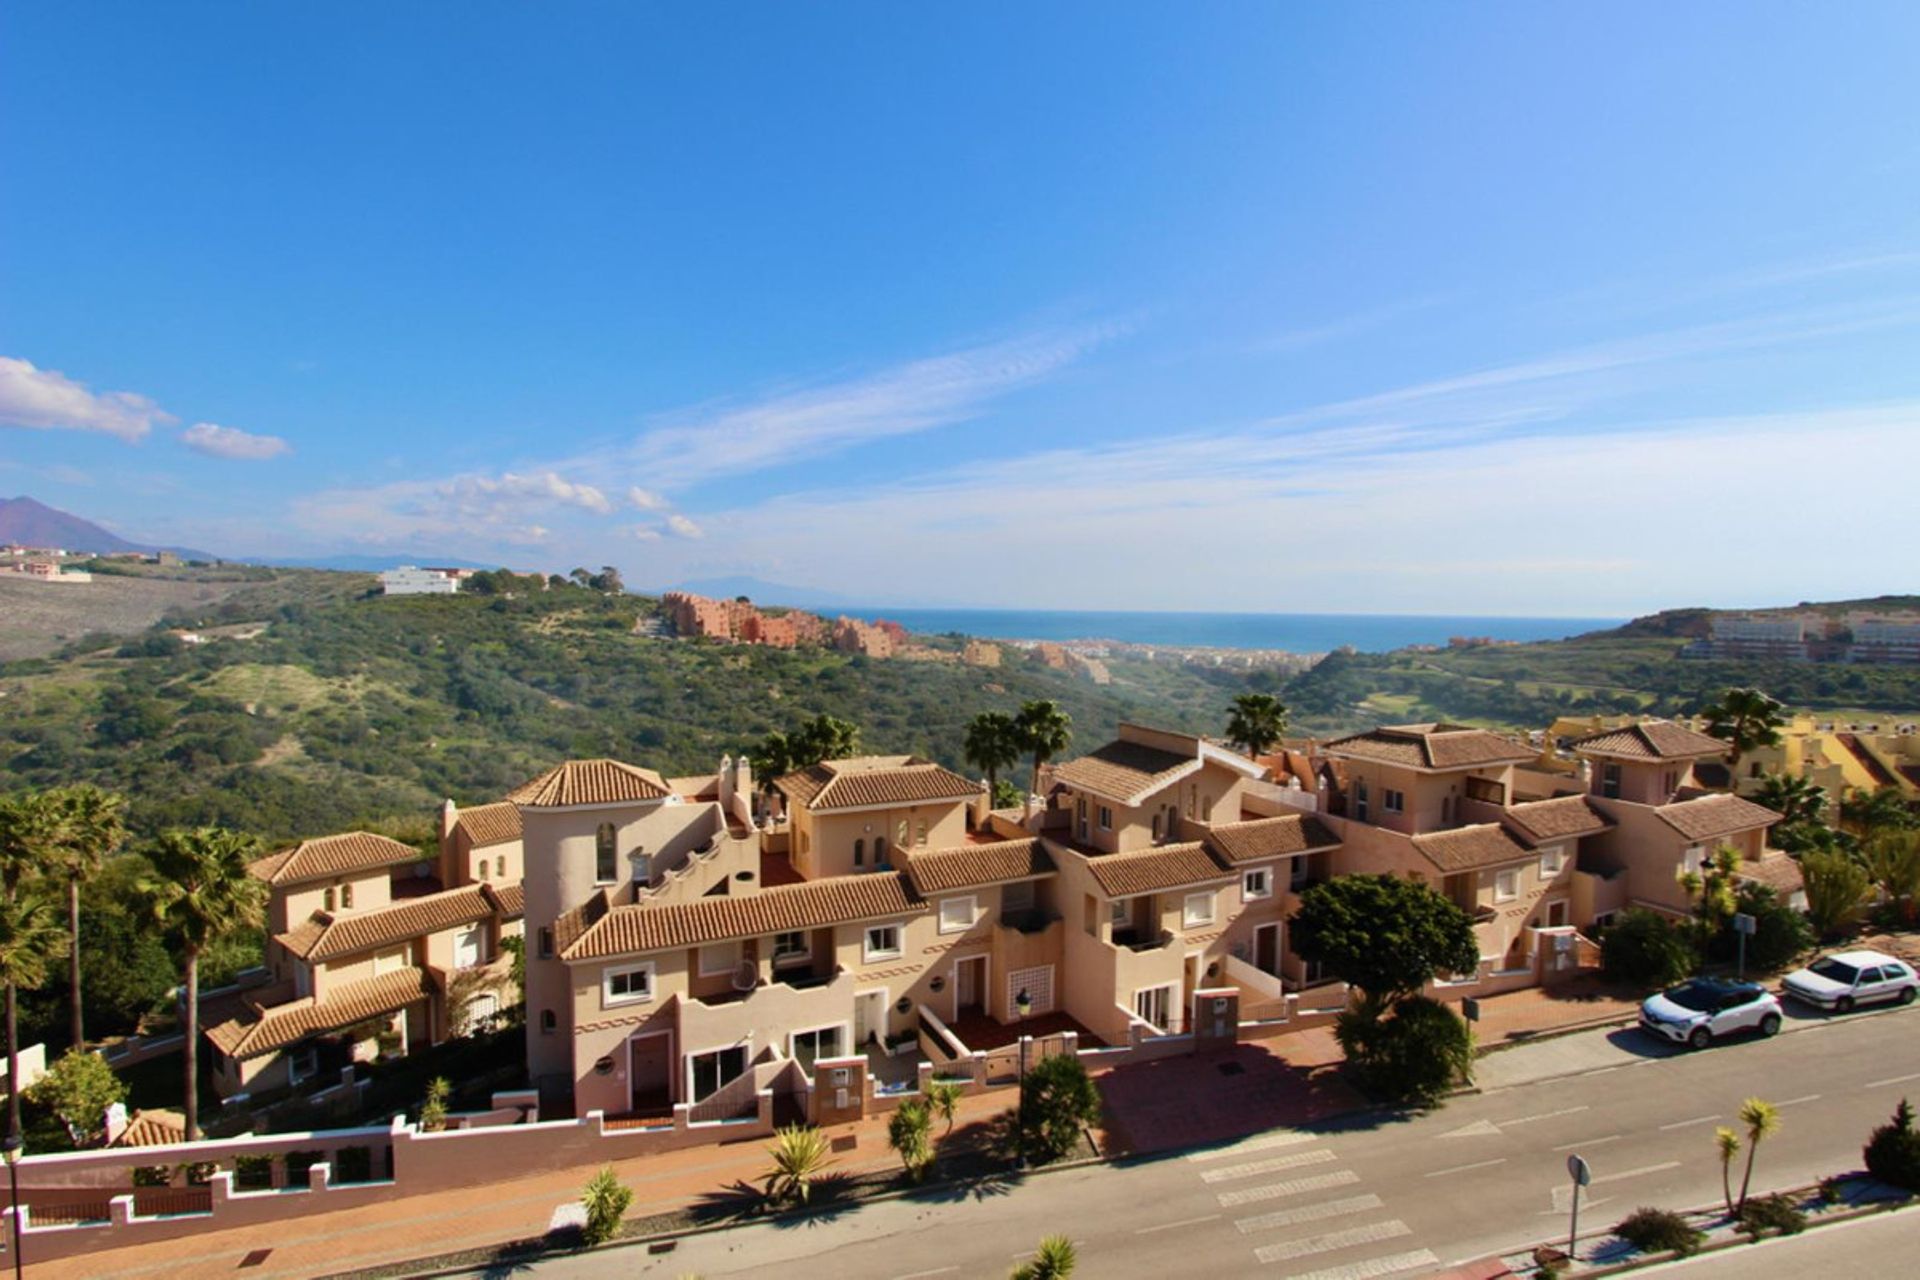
x=1303, y=1218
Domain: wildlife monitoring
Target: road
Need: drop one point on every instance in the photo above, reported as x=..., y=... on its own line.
x=1875, y=1248
x=1371, y=1195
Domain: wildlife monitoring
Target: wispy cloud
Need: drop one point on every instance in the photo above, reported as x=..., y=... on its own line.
x=231, y=442
x=487, y=497
x=46, y=399
x=681, y=527
x=1350, y=326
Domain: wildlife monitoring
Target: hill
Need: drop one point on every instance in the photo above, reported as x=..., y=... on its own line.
x=30, y=523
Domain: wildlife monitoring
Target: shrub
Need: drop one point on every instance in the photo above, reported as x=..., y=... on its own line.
x=1643, y=949
x=1659, y=1231
x=606, y=1199
x=433, y=1112
x=1414, y=1055
x=1060, y=1101
x=1055, y=1260
x=1893, y=1153
x=1775, y=1213
x=799, y=1154
x=1833, y=1189
x=909, y=1132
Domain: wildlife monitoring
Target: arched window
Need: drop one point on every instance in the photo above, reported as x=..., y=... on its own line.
x=326, y=899
x=500, y=866
x=859, y=853
x=920, y=832
x=606, y=867
x=900, y=834
x=483, y=868
x=1156, y=826
x=346, y=896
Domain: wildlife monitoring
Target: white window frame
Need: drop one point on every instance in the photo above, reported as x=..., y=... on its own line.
x=609, y=1000
x=783, y=958
x=709, y=969
x=842, y=1031
x=1188, y=920
x=1553, y=861
x=311, y=1053
x=972, y=907
x=1501, y=879
x=870, y=953
x=1250, y=891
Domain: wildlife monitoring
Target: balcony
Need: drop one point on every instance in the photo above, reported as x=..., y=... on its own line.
x=1132, y=940
x=1029, y=920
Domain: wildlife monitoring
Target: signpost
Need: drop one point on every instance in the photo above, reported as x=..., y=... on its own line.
x=1582, y=1176
x=1744, y=926
x=1470, y=1009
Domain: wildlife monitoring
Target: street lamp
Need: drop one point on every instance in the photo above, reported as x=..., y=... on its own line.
x=1022, y=1005
x=11, y=1149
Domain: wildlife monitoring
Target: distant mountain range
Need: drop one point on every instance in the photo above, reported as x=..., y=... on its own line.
x=35, y=524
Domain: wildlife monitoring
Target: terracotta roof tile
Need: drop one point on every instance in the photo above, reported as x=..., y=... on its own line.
x=939, y=870
x=1651, y=740
x=1777, y=871
x=332, y=856
x=325, y=936
x=637, y=929
x=1471, y=848
x=1710, y=817
x=906, y=784
x=1431, y=746
x=1557, y=819
x=156, y=1128
x=251, y=1035
x=1123, y=771
x=571, y=924
x=1171, y=866
x=590, y=782
x=486, y=824
x=1236, y=842
x=510, y=900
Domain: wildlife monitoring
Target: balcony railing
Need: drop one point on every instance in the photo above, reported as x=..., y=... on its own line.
x=1029, y=920
x=1132, y=941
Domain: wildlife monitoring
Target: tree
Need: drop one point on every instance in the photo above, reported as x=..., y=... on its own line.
x=1257, y=722
x=992, y=743
x=909, y=1133
x=202, y=893
x=943, y=1100
x=90, y=826
x=1713, y=887
x=1414, y=1056
x=1836, y=888
x=1386, y=935
x=607, y=1200
x=800, y=1153
x=1727, y=1143
x=1045, y=731
x=29, y=831
x=1744, y=719
x=1891, y=859
x=30, y=941
x=1893, y=1152
x=1763, y=1121
x=824, y=737
x=1644, y=949
x=1059, y=1103
x=1054, y=1260
x=1866, y=813
x=79, y=1088
x=433, y=1111
x=1798, y=801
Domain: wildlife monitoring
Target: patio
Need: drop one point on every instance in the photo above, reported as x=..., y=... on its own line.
x=981, y=1033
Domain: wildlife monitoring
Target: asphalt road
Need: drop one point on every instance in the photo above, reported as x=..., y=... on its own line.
x=1372, y=1195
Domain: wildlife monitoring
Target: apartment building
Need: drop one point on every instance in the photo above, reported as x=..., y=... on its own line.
x=411, y=580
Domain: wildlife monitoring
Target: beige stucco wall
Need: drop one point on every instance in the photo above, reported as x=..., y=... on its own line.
x=1431, y=800
x=825, y=840
x=1210, y=794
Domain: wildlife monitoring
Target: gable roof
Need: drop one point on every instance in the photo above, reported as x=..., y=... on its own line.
x=1128, y=772
x=1781, y=874
x=1486, y=844
x=1557, y=819
x=1430, y=746
x=325, y=936
x=1710, y=817
x=590, y=782
x=1171, y=866
x=485, y=824
x=637, y=929
x=914, y=783
x=332, y=856
x=1279, y=837
x=159, y=1127
x=965, y=866
x=1651, y=740
x=265, y=1030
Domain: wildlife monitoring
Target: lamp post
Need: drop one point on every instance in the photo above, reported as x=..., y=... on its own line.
x=1022, y=1005
x=11, y=1149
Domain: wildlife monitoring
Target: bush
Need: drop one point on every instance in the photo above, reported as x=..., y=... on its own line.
x=1775, y=1213
x=1893, y=1153
x=1780, y=934
x=606, y=1199
x=1414, y=1055
x=909, y=1132
x=1060, y=1102
x=1660, y=1231
x=1644, y=949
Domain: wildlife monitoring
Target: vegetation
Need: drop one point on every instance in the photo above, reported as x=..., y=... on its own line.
x=1891, y=859
x=800, y=1155
x=433, y=1111
x=87, y=828
x=1054, y=1260
x=1837, y=888
x=1893, y=1152
x=30, y=940
x=1386, y=935
x=1045, y=731
x=943, y=1099
x=1414, y=1056
x=1258, y=720
x=1059, y=1102
x=1744, y=719
x=1776, y=1213
x=909, y=1133
x=1660, y=1231
x=992, y=743
x=607, y=1200
x=78, y=1089
x=1762, y=1120
x=1727, y=1142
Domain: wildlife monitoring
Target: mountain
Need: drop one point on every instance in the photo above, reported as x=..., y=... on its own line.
x=35, y=524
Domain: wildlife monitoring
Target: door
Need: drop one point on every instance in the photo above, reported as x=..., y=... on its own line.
x=1266, y=949
x=1153, y=1005
x=649, y=1071
x=969, y=986
x=1557, y=913
x=869, y=1017
x=470, y=947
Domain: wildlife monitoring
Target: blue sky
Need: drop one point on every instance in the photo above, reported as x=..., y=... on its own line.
x=1464, y=309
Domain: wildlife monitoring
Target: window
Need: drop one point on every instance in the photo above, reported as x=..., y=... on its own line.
x=1156, y=826
x=956, y=914
x=1154, y=1006
x=304, y=1064
x=642, y=863
x=546, y=944
x=500, y=866
x=882, y=942
x=1610, y=781
x=920, y=832
x=627, y=985
x=1693, y=859
x=859, y=853
x=719, y=957
x=1299, y=872
x=1106, y=818
x=346, y=896
x=707, y=1073
x=808, y=1047
x=326, y=899
x=1552, y=860
x=790, y=948
x=483, y=868
x=606, y=855
x=1121, y=913
x=1360, y=799
x=1197, y=910
x=548, y=1022
x=1506, y=885
x=1392, y=801
x=1755, y=770
x=1257, y=883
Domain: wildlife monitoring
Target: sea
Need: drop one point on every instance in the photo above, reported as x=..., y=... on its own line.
x=1288, y=632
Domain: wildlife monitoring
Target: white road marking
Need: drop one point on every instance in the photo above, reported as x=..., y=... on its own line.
x=1309, y=1213
x=1875, y=1084
x=1184, y=1222
x=1265, y=1142
x=1682, y=1124
x=1478, y=1129
x=1544, y=1115
x=921, y=1275
x=1373, y=1268
x=1291, y=1187
x=1634, y=1173
x=1592, y=1142
x=1274, y=1164
x=1462, y=1168
x=1602, y=1071
x=1370, y=1234
x=1812, y=1097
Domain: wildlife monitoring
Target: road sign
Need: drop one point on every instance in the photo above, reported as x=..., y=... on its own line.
x=1470, y=1009
x=1582, y=1175
x=1744, y=923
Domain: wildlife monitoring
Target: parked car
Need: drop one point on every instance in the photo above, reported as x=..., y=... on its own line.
x=1848, y=978
x=1699, y=1012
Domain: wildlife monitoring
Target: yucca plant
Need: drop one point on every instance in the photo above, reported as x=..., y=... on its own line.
x=1762, y=1119
x=943, y=1098
x=1054, y=1261
x=800, y=1154
x=607, y=1200
x=909, y=1133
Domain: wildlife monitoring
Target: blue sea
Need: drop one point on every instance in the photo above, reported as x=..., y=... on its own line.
x=1291, y=632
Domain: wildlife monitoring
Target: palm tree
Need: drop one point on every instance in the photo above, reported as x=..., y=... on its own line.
x=1866, y=813
x=1257, y=722
x=90, y=827
x=202, y=892
x=799, y=1154
x=943, y=1100
x=1892, y=861
x=30, y=941
x=1795, y=799
x=1727, y=1142
x=992, y=744
x=1744, y=719
x=1763, y=1121
x=29, y=829
x=1055, y=1261
x=1045, y=730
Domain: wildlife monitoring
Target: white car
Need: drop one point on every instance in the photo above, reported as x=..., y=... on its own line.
x=1849, y=978
x=1697, y=1013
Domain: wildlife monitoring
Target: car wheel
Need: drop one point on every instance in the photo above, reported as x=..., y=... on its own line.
x=1908, y=993
x=1770, y=1025
x=1700, y=1038
x=1843, y=1005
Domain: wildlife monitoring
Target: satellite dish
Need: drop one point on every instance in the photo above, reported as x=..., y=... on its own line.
x=747, y=976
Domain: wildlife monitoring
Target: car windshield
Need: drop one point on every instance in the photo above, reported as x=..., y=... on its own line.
x=1834, y=970
x=1694, y=996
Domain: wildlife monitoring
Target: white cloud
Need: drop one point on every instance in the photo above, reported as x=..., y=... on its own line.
x=681, y=527
x=482, y=495
x=231, y=442
x=644, y=533
x=48, y=400
x=645, y=499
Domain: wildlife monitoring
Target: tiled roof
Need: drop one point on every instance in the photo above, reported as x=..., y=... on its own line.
x=635, y=930
x=1236, y=842
x=1123, y=875
x=590, y=782
x=326, y=936
x=571, y=924
x=511, y=900
x=1709, y=817
x=1651, y=740
x=1123, y=771
x=802, y=785
x=251, y=1035
x=333, y=856
x=486, y=824
x=907, y=784
x=1431, y=746
x=939, y=870
x=1557, y=819
x=156, y=1128
x=1778, y=872
x=1471, y=848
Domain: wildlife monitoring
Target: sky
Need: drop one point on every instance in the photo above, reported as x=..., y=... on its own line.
x=1466, y=309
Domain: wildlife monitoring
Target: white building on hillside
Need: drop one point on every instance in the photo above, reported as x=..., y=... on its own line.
x=410, y=580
